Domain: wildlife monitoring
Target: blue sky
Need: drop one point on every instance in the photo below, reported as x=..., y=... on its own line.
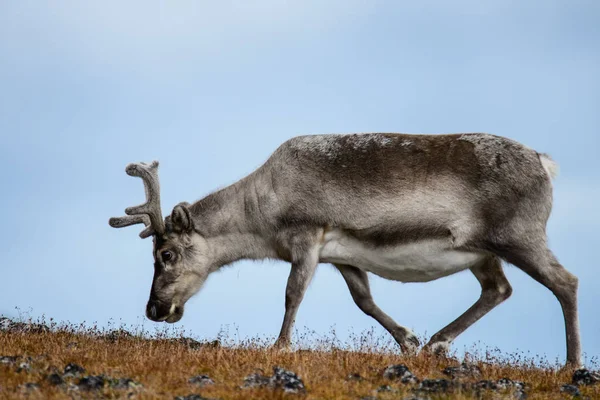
x=212, y=89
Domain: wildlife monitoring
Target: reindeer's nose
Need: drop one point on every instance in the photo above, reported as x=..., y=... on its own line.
x=158, y=310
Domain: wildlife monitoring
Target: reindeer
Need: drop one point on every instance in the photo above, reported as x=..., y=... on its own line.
x=410, y=208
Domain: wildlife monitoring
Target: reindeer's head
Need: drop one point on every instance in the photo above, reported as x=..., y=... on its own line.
x=181, y=262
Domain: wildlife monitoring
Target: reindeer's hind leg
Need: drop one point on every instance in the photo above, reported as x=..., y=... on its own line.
x=538, y=262
x=358, y=283
x=494, y=290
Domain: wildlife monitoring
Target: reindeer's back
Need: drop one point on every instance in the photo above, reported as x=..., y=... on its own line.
x=367, y=181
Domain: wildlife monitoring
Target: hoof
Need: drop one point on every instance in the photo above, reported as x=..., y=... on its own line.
x=572, y=366
x=410, y=344
x=282, y=347
x=441, y=348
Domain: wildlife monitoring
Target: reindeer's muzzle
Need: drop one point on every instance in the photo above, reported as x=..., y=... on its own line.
x=159, y=311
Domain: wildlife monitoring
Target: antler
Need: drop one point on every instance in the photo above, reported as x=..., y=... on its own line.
x=148, y=213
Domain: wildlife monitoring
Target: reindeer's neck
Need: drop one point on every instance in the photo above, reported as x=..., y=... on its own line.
x=230, y=248
x=228, y=220
x=222, y=212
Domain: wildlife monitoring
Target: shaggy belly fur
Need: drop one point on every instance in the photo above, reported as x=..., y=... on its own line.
x=420, y=261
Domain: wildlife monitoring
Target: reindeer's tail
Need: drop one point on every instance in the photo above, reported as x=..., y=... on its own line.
x=549, y=165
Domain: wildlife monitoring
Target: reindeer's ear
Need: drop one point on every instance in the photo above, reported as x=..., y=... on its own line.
x=181, y=218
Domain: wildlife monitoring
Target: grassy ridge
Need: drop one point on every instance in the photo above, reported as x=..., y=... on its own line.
x=163, y=365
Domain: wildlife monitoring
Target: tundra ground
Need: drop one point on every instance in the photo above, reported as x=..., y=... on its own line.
x=159, y=366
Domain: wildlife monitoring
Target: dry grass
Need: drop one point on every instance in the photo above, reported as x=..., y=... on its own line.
x=163, y=366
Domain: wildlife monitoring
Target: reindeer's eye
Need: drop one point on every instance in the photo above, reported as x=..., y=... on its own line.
x=166, y=255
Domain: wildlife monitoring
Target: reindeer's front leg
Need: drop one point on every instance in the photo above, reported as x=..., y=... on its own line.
x=303, y=269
